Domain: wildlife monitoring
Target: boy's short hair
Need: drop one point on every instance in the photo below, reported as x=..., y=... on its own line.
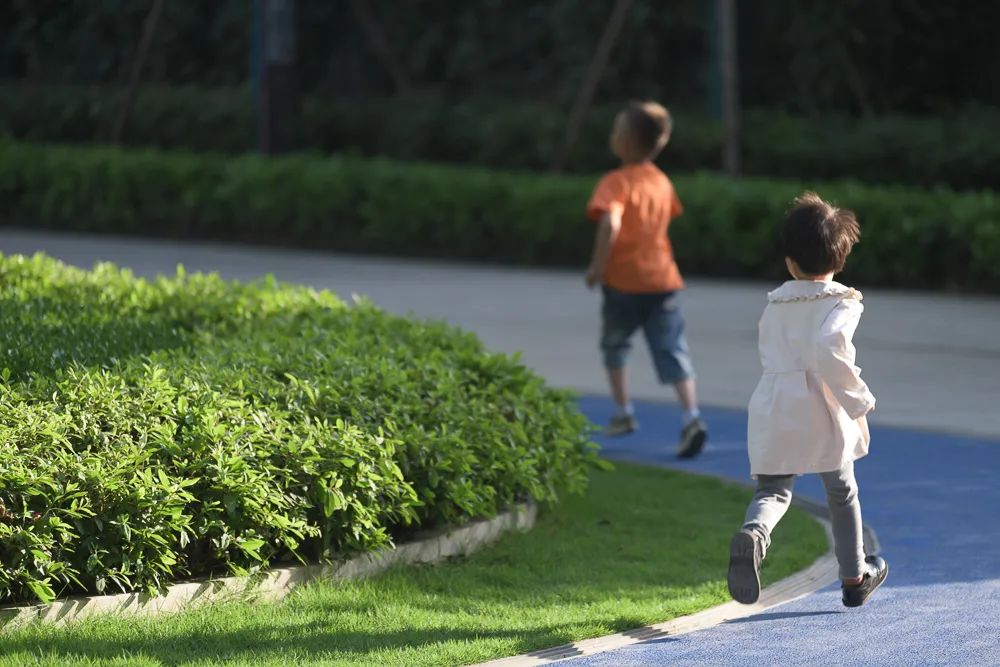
x=649, y=125
x=817, y=235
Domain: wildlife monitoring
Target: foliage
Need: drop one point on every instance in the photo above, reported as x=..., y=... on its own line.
x=592, y=566
x=867, y=56
x=210, y=119
x=187, y=426
x=911, y=237
x=506, y=133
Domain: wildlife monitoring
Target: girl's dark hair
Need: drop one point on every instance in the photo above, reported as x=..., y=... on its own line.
x=818, y=235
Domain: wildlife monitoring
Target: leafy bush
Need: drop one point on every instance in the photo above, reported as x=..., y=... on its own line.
x=220, y=119
x=185, y=426
x=956, y=150
x=912, y=238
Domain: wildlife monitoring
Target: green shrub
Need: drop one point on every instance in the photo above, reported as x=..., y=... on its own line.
x=957, y=150
x=187, y=426
x=183, y=117
x=912, y=238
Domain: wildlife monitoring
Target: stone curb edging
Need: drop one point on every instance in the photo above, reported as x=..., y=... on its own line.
x=823, y=572
x=277, y=583
x=818, y=575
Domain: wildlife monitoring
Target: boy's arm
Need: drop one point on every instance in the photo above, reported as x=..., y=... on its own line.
x=835, y=356
x=607, y=232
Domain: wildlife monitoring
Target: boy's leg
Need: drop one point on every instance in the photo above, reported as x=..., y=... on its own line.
x=749, y=546
x=687, y=395
x=663, y=326
x=618, y=322
x=845, y=515
x=619, y=386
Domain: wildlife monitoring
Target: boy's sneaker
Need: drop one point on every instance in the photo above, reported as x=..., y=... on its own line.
x=745, y=556
x=878, y=570
x=621, y=425
x=693, y=438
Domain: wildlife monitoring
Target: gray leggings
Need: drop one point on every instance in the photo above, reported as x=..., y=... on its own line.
x=774, y=494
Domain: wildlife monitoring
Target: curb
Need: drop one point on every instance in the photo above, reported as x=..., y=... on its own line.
x=277, y=583
x=819, y=575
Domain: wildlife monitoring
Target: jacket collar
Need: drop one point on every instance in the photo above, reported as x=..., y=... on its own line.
x=808, y=290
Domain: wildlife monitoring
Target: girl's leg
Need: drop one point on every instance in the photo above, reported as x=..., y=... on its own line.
x=769, y=504
x=845, y=515
x=749, y=546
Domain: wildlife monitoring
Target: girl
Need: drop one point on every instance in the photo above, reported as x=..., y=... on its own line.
x=809, y=411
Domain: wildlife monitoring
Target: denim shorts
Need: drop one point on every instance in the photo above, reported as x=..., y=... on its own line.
x=659, y=316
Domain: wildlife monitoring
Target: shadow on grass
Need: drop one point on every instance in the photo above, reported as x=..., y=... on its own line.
x=592, y=566
x=265, y=641
x=43, y=336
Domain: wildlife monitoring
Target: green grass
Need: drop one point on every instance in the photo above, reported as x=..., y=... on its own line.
x=644, y=545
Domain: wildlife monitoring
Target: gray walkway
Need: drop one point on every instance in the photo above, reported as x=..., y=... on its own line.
x=933, y=360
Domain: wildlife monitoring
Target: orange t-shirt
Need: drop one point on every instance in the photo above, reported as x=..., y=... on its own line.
x=642, y=259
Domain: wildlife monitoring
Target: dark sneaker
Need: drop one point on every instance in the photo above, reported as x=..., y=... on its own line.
x=745, y=556
x=878, y=570
x=693, y=439
x=621, y=425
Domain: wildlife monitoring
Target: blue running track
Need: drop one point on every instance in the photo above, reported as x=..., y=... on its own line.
x=934, y=502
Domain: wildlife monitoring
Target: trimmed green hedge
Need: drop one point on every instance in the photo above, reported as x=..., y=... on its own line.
x=958, y=150
x=157, y=430
x=911, y=238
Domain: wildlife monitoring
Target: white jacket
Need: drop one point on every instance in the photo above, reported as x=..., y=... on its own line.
x=808, y=413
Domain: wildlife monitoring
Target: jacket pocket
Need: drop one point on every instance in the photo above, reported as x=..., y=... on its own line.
x=862, y=423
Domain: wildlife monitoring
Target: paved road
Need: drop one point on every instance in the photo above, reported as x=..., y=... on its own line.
x=933, y=361
x=933, y=500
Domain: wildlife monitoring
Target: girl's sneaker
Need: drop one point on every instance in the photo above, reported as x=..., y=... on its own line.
x=878, y=570
x=745, y=555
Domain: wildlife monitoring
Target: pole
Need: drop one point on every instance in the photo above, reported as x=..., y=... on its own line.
x=726, y=13
x=275, y=74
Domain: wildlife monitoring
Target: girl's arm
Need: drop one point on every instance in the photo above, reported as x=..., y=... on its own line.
x=835, y=356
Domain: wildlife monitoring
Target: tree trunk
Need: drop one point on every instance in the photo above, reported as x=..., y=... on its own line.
x=379, y=44
x=594, y=73
x=148, y=32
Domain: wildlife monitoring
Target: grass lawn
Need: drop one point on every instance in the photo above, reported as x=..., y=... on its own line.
x=643, y=546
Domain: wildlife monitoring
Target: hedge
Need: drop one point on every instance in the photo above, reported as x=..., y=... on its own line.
x=957, y=150
x=156, y=430
x=912, y=238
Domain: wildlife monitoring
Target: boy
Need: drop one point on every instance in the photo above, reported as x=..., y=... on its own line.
x=809, y=411
x=634, y=263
